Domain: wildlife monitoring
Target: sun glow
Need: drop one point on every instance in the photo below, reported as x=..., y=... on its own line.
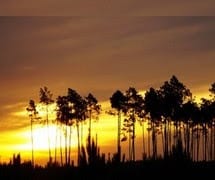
x=104, y=130
x=19, y=140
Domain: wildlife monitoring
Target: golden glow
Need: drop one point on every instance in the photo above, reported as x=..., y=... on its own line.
x=105, y=129
x=20, y=140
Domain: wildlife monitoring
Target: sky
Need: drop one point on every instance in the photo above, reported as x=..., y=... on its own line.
x=98, y=47
x=108, y=7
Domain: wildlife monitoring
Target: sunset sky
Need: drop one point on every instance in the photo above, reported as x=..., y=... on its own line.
x=99, y=48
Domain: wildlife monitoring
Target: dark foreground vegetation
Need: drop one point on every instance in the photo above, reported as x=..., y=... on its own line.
x=93, y=165
x=168, y=169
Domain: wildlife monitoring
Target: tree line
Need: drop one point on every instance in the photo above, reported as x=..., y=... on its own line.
x=171, y=115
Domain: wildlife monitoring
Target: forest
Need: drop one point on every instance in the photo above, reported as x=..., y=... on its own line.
x=184, y=128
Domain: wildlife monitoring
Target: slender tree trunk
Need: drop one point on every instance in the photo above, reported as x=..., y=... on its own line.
x=81, y=143
x=61, y=150
x=153, y=141
x=133, y=140
x=176, y=133
x=170, y=135
x=32, y=143
x=162, y=138
x=129, y=143
x=149, y=148
x=205, y=142
x=165, y=140
x=143, y=140
x=56, y=141
x=192, y=144
x=78, y=136
x=66, y=156
x=197, y=143
x=90, y=126
x=70, y=134
x=188, y=138
x=47, y=123
x=118, y=137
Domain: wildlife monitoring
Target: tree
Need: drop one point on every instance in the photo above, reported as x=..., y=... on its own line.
x=133, y=108
x=173, y=94
x=212, y=91
x=208, y=123
x=79, y=109
x=93, y=109
x=63, y=116
x=46, y=99
x=190, y=114
x=118, y=102
x=33, y=116
x=206, y=118
x=153, y=107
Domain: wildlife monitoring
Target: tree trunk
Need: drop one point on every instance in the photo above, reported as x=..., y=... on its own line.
x=197, y=143
x=78, y=137
x=90, y=126
x=133, y=141
x=66, y=136
x=32, y=143
x=143, y=140
x=61, y=150
x=47, y=123
x=149, y=148
x=205, y=142
x=153, y=140
x=165, y=139
x=118, y=137
x=70, y=135
x=56, y=140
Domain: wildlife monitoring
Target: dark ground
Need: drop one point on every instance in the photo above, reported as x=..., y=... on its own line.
x=133, y=170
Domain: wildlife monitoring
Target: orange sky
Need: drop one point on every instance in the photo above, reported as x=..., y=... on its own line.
x=108, y=7
x=96, y=54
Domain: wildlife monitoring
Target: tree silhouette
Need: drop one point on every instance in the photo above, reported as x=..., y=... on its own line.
x=46, y=99
x=133, y=107
x=212, y=91
x=79, y=109
x=118, y=102
x=189, y=114
x=174, y=94
x=33, y=116
x=206, y=117
x=93, y=109
x=208, y=124
x=63, y=116
x=187, y=128
x=153, y=107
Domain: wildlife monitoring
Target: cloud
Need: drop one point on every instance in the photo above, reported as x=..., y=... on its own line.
x=100, y=54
